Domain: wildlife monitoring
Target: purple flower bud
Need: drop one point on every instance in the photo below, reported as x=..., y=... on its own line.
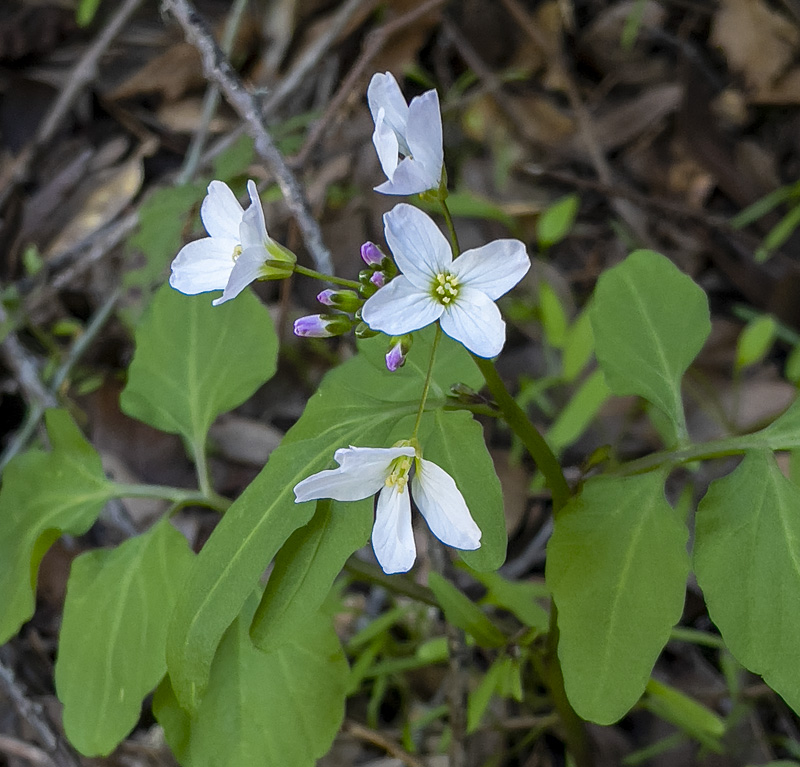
x=322, y=325
x=371, y=253
x=398, y=349
x=378, y=279
x=326, y=297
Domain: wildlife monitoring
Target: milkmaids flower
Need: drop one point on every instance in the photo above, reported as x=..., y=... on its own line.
x=459, y=293
x=364, y=471
x=237, y=251
x=412, y=130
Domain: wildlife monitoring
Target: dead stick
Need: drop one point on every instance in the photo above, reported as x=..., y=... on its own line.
x=218, y=69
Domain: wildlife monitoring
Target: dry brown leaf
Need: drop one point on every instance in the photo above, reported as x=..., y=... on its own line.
x=758, y=42
x=185, y=116
x=113, y=190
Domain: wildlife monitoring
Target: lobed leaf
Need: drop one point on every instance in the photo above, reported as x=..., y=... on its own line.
x=44, y=495
x=617, y=567
x=650, y=321
x=194, y=361
x=111, y=651
x=747, y=562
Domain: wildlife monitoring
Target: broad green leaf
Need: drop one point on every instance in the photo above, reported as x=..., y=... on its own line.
x=617, y=567
x=194, y=361
x=358, y=403
x=306, y=567
x=649, y=321
x=518, y=597
x=454, y=441
x=111, y=649
x=747, y=562
x=43, y=496
x=556, y=221
x=461, y=611
x=579, y=412
x=783, y=433
x=277, y=709
x=755, y=340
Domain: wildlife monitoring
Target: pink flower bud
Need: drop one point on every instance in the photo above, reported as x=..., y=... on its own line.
x=371, y=253
x=322, y=325
x=378, y=279
x=398, y=349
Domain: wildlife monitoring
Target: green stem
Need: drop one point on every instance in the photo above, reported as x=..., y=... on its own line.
x=451, y=228
x=397, y=584
x=520, y=424
x=428, y=377
x=201, y=467
x=175, y=495
x=306, y=272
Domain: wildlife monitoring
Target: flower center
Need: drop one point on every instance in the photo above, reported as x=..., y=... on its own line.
x=398, y=473
x=237, y=251
x=445, y=288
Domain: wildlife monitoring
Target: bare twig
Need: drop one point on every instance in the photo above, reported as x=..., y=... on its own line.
x=32, y=712
x=79, y=77
x=377, y=739
x=218, y=69
x=14, y=747
x=375, y=42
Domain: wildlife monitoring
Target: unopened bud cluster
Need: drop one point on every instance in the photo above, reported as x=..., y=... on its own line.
x=380, y=269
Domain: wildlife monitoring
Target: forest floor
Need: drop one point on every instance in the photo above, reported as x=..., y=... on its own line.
x=663, y=119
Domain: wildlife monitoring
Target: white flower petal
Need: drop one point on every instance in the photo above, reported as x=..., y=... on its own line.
x=220, y=211
x=419, y=247
x=494, y=268
x=441, y=503
x=248, y=267
x=386, y=146
x=424, y=135
x=253, y=229
x=400, y=308
x=475, y=321
x=203, y=265
x=410, y=177
x=384, y=93
x=392, y=534
x=371, y=461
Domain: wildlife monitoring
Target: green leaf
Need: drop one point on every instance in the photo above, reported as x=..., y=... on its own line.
x=578, y=346
x=776, y=236
x=755, y=341
x=358, y=403
x=277, y=709
x=194, y=361
x=86, y=11
x=111, y=649
x=690, y=716
x=556, y=221
x=43, y=496
x=554, y=318
x=461, y=611
x=306, y=567
x=650, y=321
x=580, y=411
x=479, y=698
x=783, y=433
x=617, y=567
x=747, y=562
x=518, y=597
x=454, y=441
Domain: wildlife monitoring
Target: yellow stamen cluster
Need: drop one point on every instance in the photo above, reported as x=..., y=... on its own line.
x=237, y=251
x=445, y=287
x=398, y=474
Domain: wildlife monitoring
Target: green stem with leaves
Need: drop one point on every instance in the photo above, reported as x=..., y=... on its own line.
x=176, y=495
x=306, y=272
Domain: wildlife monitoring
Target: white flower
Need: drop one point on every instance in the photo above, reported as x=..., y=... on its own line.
x=459, y=293
x=237, y=251
x=414, y=130
x=364, y=471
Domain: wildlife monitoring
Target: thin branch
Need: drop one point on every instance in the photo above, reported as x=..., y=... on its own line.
x=218, y=69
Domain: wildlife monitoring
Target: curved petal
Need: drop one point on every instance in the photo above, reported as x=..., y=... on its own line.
x=399, y=308
x=203, y=265
x=253, y=228
x=475, y=321
x=248, y=267
x=424, y=134
x=371, y=461
x=338, y=484
x=410, y=177
x=441, y=503
x=386, y=146
x=419, y=247
x=384, y=93
x=493, y=268
x=221, y=212
x=392, y=534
